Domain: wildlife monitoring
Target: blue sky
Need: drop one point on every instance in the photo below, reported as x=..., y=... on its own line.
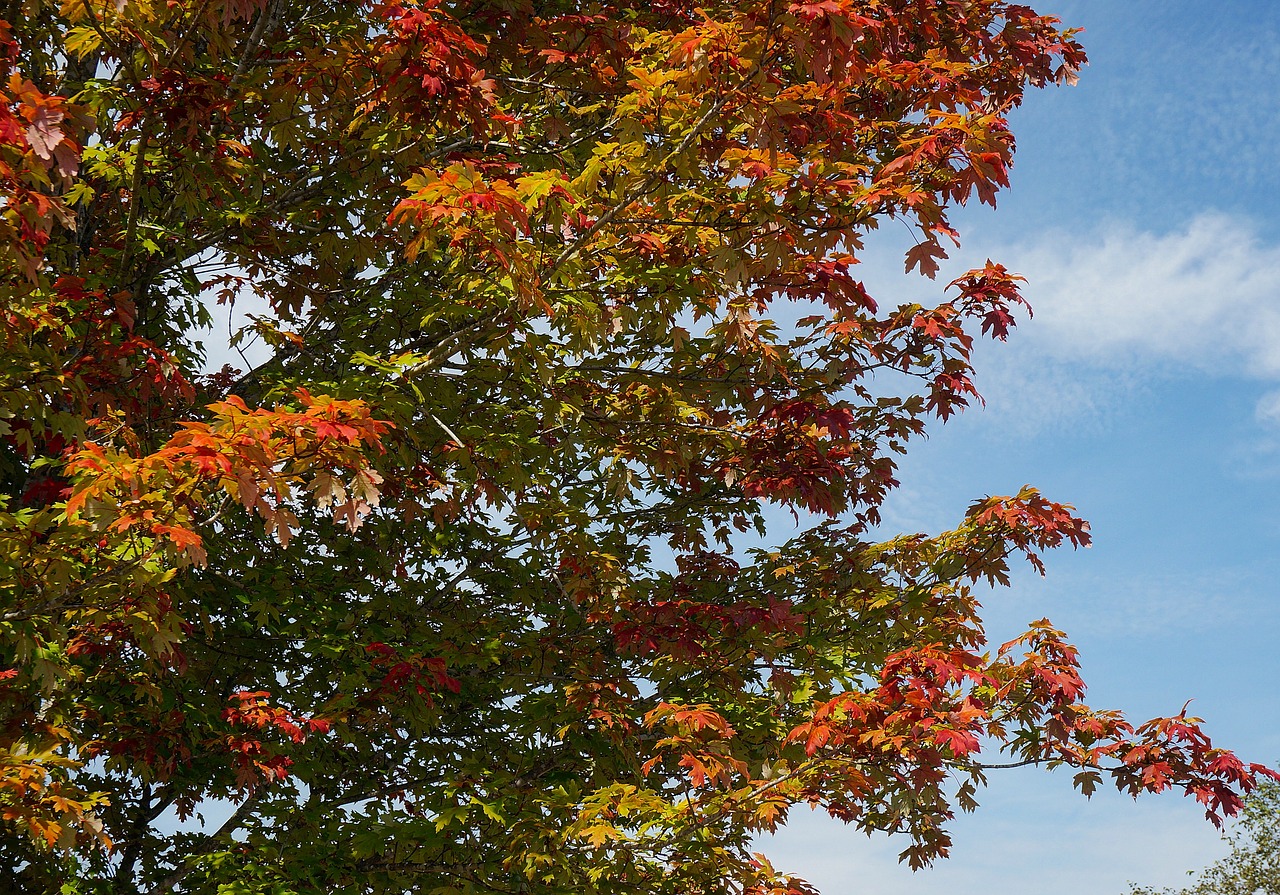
x=1146, y=391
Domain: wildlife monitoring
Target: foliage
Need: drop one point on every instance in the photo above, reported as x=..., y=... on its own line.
x=443, y=596
x=1253, y=867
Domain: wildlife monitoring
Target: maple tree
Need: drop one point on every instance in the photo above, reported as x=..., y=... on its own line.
x=442, y=595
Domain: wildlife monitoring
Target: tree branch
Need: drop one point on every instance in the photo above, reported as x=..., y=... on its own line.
x=221, y=834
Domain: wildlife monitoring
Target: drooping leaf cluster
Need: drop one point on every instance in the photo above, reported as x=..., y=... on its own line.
x=441, y=593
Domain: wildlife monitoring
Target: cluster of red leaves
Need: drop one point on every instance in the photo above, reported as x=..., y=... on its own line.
x=828, y=44
x=424, y=674
x=579, y=39
x=240, y=10
x=253, y=757
x=253, y=734
x=117, y=369
x=688, y=629
x=158, y=740
x=186, y=102
x=801, y=452
x=607, y=703
x=1028, y=523
x=831, y=282
x=1153, y=756
x=45, y=487
x=426, y=67
x=919, y=709
x=110, y=367
x=99, y=639
x=688, y=625
x=990, y=295
x=935, y=706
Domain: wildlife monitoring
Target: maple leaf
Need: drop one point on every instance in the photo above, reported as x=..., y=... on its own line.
x=43, y=132
x=924, y=255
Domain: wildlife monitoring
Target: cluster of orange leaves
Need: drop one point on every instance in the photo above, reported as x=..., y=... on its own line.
x=34, y=145
x=259, y=459
x=34, y=800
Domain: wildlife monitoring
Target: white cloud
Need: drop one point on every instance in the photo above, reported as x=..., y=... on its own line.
x=1267, y=411
x=1205, y=297
x=1118, y=309
x=1152, y=607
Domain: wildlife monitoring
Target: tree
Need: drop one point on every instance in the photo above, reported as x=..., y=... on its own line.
x=1253, y=867
x=443, y=596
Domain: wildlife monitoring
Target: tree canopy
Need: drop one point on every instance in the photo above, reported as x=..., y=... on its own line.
x=452, y=592
x=1253, y=866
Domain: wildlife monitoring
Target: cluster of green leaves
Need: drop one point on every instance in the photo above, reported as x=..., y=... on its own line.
x=1253, y=867
x=442, y=596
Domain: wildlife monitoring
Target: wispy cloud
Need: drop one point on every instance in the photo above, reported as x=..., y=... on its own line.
x=1204, y=297
x=1074, y=845
x=1120, y=605
x=1118, y=307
